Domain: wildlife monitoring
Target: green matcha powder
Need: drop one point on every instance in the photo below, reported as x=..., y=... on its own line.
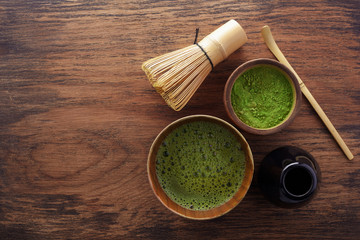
x=262, y=97
x=200, y=165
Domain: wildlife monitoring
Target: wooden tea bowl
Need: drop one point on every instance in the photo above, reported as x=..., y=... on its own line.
x=290, y=77
x=200, y=214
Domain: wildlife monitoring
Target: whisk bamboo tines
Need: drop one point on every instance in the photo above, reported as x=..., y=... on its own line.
x=177, y=75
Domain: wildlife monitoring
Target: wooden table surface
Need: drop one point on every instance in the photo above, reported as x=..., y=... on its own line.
x=78, y=116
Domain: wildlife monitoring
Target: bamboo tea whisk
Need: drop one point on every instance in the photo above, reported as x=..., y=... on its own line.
x=177, y=75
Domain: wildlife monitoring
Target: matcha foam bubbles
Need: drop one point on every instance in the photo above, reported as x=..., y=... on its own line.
x=200, y=165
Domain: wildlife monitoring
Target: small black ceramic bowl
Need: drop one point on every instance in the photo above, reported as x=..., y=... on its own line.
x=271, y=66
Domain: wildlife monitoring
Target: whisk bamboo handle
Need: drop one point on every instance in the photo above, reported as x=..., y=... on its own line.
x=270, y=42
x=223, y=41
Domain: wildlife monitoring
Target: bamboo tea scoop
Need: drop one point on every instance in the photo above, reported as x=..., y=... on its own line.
x=270, y=42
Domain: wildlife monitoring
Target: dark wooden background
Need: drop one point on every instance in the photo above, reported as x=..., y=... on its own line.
x=78, y=116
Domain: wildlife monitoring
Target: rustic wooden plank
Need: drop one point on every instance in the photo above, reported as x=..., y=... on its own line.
x=78, y=116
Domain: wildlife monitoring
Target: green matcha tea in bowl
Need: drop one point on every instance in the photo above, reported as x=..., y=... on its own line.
x=262, y=96
x=200, y=167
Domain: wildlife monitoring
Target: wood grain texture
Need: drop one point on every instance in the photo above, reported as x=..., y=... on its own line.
x=78, y=116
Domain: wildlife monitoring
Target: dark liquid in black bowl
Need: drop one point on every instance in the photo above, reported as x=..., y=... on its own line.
x=289, y=176
x=298, y=181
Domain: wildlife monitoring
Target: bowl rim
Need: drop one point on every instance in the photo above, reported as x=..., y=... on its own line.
x=200, y=214
x=240, y=70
